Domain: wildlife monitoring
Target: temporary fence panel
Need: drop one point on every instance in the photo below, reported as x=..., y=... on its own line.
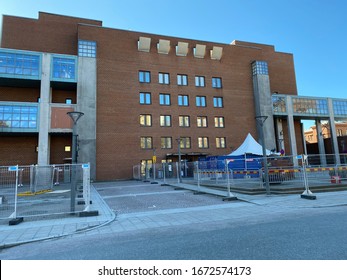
x=318, y=176
x=31, y=191
x=8, y=188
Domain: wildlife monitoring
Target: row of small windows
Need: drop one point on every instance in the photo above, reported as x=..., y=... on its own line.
x=18, y=116
x=24, y=64
x=182, y=80
x=182, y=100
x=183, y=121
x=19, y=64
x=146, y=142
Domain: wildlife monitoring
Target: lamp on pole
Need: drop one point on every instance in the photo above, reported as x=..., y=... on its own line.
x=261, y=120
x=75, y=116
x=179, y=159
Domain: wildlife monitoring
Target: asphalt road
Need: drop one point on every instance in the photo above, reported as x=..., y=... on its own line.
x=318, y=234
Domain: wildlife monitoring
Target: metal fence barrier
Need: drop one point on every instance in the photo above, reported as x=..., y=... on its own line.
x=283, y=174
x=36, y=191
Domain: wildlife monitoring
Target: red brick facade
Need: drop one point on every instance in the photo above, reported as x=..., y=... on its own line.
x=118, y=108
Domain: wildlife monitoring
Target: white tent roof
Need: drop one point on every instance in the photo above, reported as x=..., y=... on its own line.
x=249, y=146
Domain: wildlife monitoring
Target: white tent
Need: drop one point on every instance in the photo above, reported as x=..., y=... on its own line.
x=249, y=146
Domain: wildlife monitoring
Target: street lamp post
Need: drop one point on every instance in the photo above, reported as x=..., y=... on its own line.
x=261, y=120
x=75, y=116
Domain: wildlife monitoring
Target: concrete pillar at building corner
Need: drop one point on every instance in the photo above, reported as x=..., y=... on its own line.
x=44, y=122
x=86, y=103
x=263, y=102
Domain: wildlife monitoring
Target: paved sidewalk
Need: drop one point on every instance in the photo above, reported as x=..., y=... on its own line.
x=36, y=230
x=247, y=206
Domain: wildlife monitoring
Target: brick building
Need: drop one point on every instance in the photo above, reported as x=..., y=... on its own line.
x=141, y=95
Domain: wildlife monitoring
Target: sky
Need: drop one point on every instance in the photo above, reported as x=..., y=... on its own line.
x=314, y=31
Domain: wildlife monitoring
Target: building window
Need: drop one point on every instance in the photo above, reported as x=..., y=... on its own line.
x=166, y=142
x=164, y=99
x=146, y=142
x=310, y=106
x=218, y=102
x=220, y=142
x=145, y=120
x=201, y=121
x=19, y=64
x=145, y=98
x=201, y=101
x=165, y=120
x=203, y=142
x=67, y=148
x=86, y=48
x=217, y=82
x=144, y=76
x=260, y=68
x=64, y=68
x=184, y=121
x=182, y=80
x=199, y=81
x=183, y=100
x=16, y=116
x=279, y=104
x=218, y=121
x=185, y=143
x=164, y=78
x=340, y=107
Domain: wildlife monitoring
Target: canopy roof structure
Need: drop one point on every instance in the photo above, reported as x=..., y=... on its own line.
x=249, y=146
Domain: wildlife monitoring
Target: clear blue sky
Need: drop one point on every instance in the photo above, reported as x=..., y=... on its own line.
x=315, y=31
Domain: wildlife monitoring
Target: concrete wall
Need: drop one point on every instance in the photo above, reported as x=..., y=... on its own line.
x=86, y=103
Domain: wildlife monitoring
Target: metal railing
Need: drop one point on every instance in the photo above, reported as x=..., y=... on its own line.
x=226, y=175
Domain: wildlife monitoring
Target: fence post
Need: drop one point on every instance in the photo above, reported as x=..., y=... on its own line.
x=231, y=196
x=32, y=176
x=307, y=193
x=198, y=175
x=86, y=192
x=15, y=220
x=164, y=172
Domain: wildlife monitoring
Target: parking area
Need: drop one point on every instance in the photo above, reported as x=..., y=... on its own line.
x=137, y=196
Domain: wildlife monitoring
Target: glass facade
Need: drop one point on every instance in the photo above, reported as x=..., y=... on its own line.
x=310, y=106
x=20, y=64
x=260, y=68
x=19, y=116
x=64, y=68
x=340, y=107
x=279, y=104
x=86, y=48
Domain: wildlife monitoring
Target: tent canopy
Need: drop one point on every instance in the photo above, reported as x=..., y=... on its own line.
x=249, y=146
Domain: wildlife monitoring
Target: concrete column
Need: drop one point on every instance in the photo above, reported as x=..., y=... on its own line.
x=291, y=130
x=280, y=138
x=333, y=131
x=44, y=120
x=263, y=107
x=86, y=103
x=320, y=140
